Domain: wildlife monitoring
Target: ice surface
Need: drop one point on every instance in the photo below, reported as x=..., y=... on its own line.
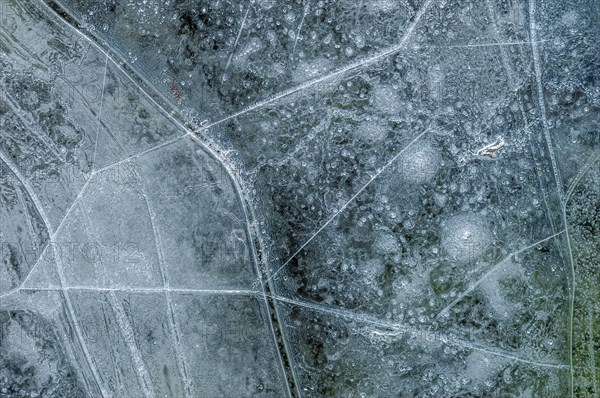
x=299, y=198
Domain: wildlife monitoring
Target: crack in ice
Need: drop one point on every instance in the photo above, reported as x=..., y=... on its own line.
x=100, y=113
x=69, y=304
x=348, y=202
x=504, y=261
x=175, y=331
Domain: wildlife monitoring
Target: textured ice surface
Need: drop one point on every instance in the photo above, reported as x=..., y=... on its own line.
x=299, y=198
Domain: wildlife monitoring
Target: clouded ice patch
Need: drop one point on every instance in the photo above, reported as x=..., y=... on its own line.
x=372, y=268
x=491, y=287
x=386, y=98
x=381, y=6
x=386, y=243
x=371, y=131
x=465, y=237
x=419, y=164
x=481, y=366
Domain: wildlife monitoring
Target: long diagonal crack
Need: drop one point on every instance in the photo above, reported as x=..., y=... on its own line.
x=347, y=203
x=580, y=175
x=421, y=336
x=51, y=232
x=173, y=326
x=506, y=260
x=100, y=113
x=144, y=379
x=237, y=39
x=124, y=325
x=339, y=72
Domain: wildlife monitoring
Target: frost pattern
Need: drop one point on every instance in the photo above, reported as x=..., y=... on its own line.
x=307, y=199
